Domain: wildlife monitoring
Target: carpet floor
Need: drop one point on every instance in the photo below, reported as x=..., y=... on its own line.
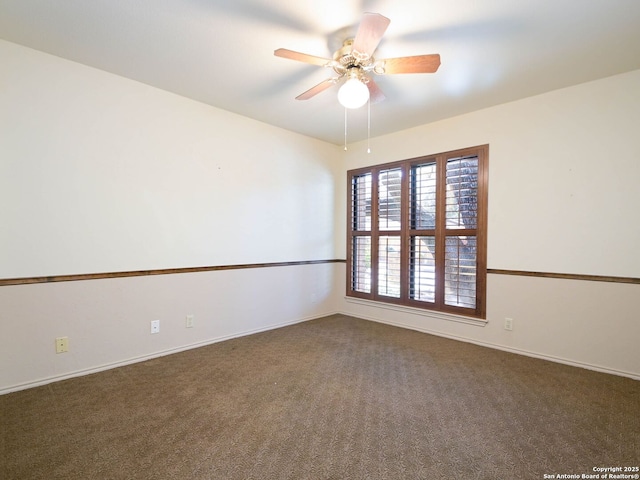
x=333, y=398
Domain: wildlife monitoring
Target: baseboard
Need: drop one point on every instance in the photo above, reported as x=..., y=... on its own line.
x=518, y=351
x=143, y=358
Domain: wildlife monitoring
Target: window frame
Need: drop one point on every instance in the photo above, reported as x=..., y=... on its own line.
x=406, y=232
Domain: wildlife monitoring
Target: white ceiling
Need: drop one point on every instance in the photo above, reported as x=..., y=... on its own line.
x=220, y=52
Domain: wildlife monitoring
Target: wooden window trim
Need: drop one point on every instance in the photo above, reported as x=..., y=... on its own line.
x=406, y=232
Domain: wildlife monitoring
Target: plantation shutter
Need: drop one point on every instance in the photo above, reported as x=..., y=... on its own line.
x=461, y=231
x=417, y=232
x=361, y=233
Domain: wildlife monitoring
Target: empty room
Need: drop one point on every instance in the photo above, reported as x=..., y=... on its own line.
x=319, y=240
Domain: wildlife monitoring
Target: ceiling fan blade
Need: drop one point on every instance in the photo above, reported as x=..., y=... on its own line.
x=375, y=94
x=313, y=91
x=301, y=57
x=369, y=34
x=416, y=64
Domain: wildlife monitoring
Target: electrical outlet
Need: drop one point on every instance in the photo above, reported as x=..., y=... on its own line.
x=508, y=323
x=188, y=321
x=155, y=326
x=62, y=344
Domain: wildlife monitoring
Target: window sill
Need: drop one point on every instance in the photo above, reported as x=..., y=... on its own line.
x=419, y=311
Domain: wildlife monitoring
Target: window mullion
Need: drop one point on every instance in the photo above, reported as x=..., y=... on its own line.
x=405, y=226
x=440, y=233
x=350, y=234
x=375, y=231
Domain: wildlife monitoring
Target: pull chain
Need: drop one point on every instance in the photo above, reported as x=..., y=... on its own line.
x=368, y=127
x=345, y=128
x=368, y=124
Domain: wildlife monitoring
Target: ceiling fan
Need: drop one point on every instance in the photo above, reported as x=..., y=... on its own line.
x=354, y=62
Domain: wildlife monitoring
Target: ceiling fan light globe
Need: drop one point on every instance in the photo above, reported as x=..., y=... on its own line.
x=353, y=94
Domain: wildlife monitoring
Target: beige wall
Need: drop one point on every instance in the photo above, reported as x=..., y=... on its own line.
x=563, y=197
x=108, y=321
x=102, y=174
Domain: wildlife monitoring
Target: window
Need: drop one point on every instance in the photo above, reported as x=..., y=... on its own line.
x=417, y=232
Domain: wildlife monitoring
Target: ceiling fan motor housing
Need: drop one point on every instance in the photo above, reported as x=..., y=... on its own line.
x=346, y=59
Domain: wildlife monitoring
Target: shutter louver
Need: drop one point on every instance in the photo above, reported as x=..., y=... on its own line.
x=389, y=267
x=422, y=209
x=422, y=286
x=462, y=192
x=460, y=272
x=389, y=189
x=361, y=273
x=361, y=202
